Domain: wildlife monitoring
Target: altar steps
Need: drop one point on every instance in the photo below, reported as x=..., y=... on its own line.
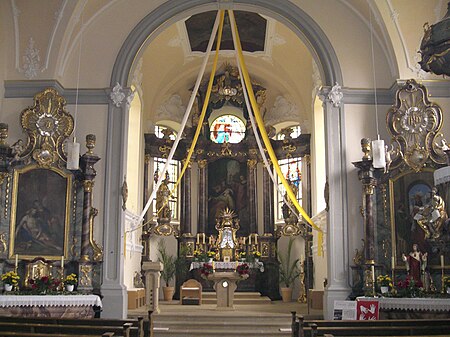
x=221, y=324
x=239, y=298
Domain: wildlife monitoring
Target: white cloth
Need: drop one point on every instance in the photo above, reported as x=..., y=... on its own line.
x=229, y=265
x=49, y=300
x=422, y=303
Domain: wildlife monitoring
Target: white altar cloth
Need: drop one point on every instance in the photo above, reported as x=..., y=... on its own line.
x=426, y=304
x=49, y=300
x=229, y=265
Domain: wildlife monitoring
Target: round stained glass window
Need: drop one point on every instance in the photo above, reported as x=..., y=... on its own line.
x=227, y=129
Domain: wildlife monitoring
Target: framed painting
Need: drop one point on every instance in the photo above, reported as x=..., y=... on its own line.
x=408, y=193
x=40, y=212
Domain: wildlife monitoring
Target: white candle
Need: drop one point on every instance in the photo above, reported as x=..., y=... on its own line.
x=442, y=261
x=373, y=272
x=392, y=262
x=256, y=239
x=17, y=260
x=203, y=238
x=62, y=261
x=250, y=239
x=198, y=238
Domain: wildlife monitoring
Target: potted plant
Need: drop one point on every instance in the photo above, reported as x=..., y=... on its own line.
x=256, y=255
x=169, y=268
x=289, y=271
x=10, y=279
x=384, y=282
x=70, y=281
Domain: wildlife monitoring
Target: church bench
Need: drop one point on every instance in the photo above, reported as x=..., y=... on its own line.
x=136, y=323
x=191, y=292
x=35, y=334
x=127, y=330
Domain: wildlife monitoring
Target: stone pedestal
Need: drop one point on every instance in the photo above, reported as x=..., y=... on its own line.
x=152, y=272
x=225, y=286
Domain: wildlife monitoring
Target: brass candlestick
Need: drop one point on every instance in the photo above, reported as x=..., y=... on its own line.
x=302, y=295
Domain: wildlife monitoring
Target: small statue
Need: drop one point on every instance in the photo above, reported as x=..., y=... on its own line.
x=289, y=216
x=137, y=280
x=416, y=262
x=17, y=149
x=162, y=201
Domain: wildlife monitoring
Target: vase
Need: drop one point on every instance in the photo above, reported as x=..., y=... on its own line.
x=8, y=287
x=168, y=293
x=286, y=294
x=256, y=259
x=384, y=289
x=210, y=260
x=69, y=287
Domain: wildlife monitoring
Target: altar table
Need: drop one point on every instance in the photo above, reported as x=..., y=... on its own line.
x=68, y=306
x=229, y=265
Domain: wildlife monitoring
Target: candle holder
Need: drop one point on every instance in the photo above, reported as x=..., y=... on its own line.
x=302, y=295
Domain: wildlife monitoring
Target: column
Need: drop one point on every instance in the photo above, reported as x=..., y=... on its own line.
x=366, y=175
x=152, y=272
x=337, y=246
x=252, y=200
x=186, y=204
x=147, y=181
x=202, y=193
x=268, y=220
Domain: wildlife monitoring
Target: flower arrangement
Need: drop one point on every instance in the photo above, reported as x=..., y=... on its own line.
x=71, y=279
x=446, y=281
x=10, y=277
x=384, y=281
x=211, y=254
x=206, y=269
x=256, y=254
x=197, y=253
x=242, y=255
x=44, y=284
x=242, y=269
x=409, y=287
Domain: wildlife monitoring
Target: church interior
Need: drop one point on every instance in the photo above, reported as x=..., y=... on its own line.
x=180, y=154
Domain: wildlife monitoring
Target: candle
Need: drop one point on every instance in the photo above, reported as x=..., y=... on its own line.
x=62, y=261
x=198, y=238
x=203, y=238
x=442, y=261
x=244, y=239
x=256, y=239
x=210, y=240
x=17, y=260
x=373, y=272
x=250, y=239
x=392, y=262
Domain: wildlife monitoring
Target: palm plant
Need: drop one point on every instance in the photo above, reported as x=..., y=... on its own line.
x=168, y=261
x=289, y=270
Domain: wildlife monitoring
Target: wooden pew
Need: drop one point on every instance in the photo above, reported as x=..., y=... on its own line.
x=57, y=329
x=33, y=334
x=136, y=328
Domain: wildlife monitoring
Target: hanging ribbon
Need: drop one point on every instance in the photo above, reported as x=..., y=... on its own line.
x=263, y=132
x=219, y=18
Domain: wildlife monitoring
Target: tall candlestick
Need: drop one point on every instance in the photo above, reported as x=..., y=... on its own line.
x=372, y=267
x=442, y=261
x=204, y=238
x=17, y=261
x=62, y=261
x=250, y=239
x=392, y=262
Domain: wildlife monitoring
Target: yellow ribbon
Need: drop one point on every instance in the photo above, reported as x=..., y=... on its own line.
x=264, y=135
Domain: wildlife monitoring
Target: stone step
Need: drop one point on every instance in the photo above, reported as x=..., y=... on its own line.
x=158, y=332
x=239, y=298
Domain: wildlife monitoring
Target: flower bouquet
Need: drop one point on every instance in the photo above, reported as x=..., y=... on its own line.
x=10, y=277
x=242, y=255
x=44, y=285
x=211, y=254
x=409, y=287
x=384, y=282
x=71, y=279
x=242, y=269
x=205, y=270
x=256, y=254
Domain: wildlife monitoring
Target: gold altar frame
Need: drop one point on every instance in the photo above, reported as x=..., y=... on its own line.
x=55, y=188
x=399, y=199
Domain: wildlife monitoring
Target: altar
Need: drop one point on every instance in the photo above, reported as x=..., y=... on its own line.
x=58, y=306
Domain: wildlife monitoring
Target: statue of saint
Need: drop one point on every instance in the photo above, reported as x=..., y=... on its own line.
x=162, y=201
x=432, y=216
x=416, y=262
x=289, y=216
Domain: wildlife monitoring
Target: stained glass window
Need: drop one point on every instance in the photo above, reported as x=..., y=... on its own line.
x=292, y=171
x=227, y=129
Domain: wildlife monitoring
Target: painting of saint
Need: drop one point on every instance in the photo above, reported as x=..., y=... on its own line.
x=227, y=188
x=39, y=220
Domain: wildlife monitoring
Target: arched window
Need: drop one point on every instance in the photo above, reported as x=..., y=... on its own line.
x=292, y=171
x=227, y=129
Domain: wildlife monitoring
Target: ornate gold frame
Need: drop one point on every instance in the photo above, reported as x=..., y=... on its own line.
x=67, y=212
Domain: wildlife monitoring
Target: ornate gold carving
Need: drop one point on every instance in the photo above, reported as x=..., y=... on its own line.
x=202, y=163
x=226, y=151
x=359, y=257
x=265, y=249
x=73, y=246
x=289, y=149
x=414, y=123
x=90, y=143
x=48, y=125
x=97, y=250
x=3, y=175
x=8, y=185
x=369, y=189
x=3, y=134
x=251, y=163
x=3, y=243
x=164, y=149
x=366, y=148
x=85, y=275
x=88, y=185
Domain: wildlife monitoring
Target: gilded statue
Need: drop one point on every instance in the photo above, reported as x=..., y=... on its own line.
x=432, y=216
x=162, y=201
x=289, y=216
